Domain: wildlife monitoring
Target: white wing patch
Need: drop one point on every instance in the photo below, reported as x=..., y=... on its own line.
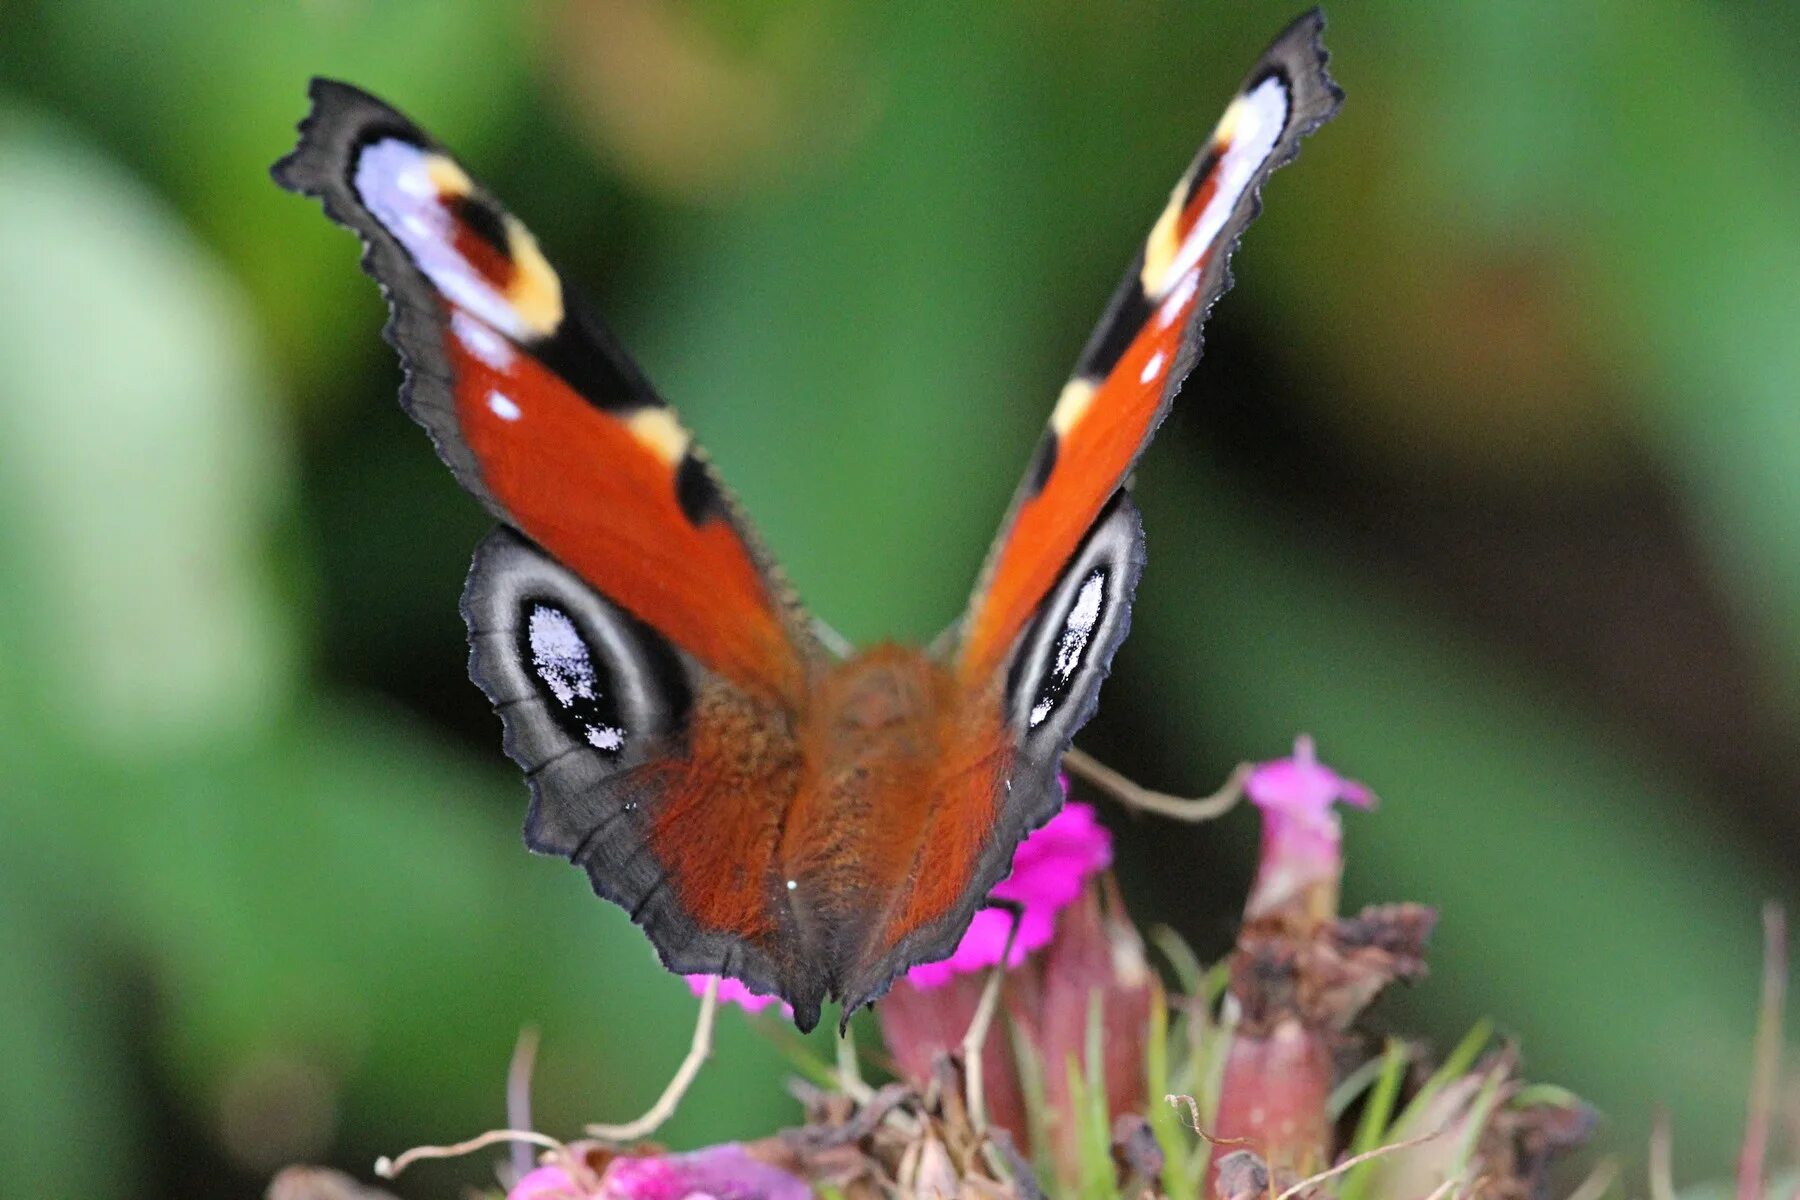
x=1071, y=645
x=503, y=406
x=560, y=656
x=561, y=659
x=401, y=186
x=479, y=340
x=1249, y=129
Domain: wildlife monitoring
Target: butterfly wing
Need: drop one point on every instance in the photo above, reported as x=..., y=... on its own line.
x=1145, y=345
x=532, y=403
x=646, y=659
x=1053, y=603
x=1054, y=599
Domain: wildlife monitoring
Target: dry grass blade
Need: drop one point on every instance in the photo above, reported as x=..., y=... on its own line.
x=518, y=1094
x=1598, y=1182
x=387, y=1167
x=1357, y=1159
x=1662, y=1158
x=664, y=1108
x=1193, y=809
x=1765, y=1075
x=849, y=1070
x=975, y=1039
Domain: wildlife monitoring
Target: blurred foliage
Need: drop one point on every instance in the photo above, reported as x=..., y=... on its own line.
x=1487, y=481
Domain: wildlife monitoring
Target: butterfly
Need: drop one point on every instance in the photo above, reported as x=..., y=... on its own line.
x=766, y=804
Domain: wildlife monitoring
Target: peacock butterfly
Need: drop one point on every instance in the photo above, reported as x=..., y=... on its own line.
x=809, y=821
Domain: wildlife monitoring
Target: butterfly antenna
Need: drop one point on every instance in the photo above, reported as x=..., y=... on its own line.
x=975, y=1040
x=664, y=1108
x=1192, y=809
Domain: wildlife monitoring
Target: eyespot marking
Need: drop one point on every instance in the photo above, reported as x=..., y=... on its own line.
x=478, y=257
x=478, y=233
x=1071, y=646
x=564, y=664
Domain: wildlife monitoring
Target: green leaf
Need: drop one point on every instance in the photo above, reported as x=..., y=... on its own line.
x=1164, y=1120
x=1373, y=1126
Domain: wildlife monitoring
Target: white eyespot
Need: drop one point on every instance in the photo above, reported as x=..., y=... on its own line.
x=1153, y=368
x=560, y=656
x=503, y=407
x=792, y=884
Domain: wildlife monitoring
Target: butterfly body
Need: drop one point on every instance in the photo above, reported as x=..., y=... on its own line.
x=808, y=821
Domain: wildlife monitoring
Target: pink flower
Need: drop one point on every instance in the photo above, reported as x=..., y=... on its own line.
x=548, y=1183
x=1297, y=976
x=928, y=1011
x=1302, y=842
x=725, y=1172
x=1050, y=868
x=731, y=991
x=1096, y=959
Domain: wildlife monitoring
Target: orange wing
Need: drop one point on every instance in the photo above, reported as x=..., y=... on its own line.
x=647, y=664
x=1146, y=343
x=533, y=404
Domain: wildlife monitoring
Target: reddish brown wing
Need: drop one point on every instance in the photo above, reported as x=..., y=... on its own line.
x=646, y=661
x=1145, y=345
x=532, y=403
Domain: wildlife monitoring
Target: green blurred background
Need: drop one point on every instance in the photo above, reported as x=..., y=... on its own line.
x=1487, y=480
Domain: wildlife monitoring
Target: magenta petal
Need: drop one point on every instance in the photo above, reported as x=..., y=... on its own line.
x=546, y=1183
x=1302, y=843
x=1302, y=789
x=724, y=1172
x=732, y=991
x=1050, y=868
x=1051, y=865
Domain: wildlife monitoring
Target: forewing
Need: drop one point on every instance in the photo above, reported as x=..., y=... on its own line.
x=1146, y=343
x=533, y=404
x=646, y=661
x=1054, y=600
